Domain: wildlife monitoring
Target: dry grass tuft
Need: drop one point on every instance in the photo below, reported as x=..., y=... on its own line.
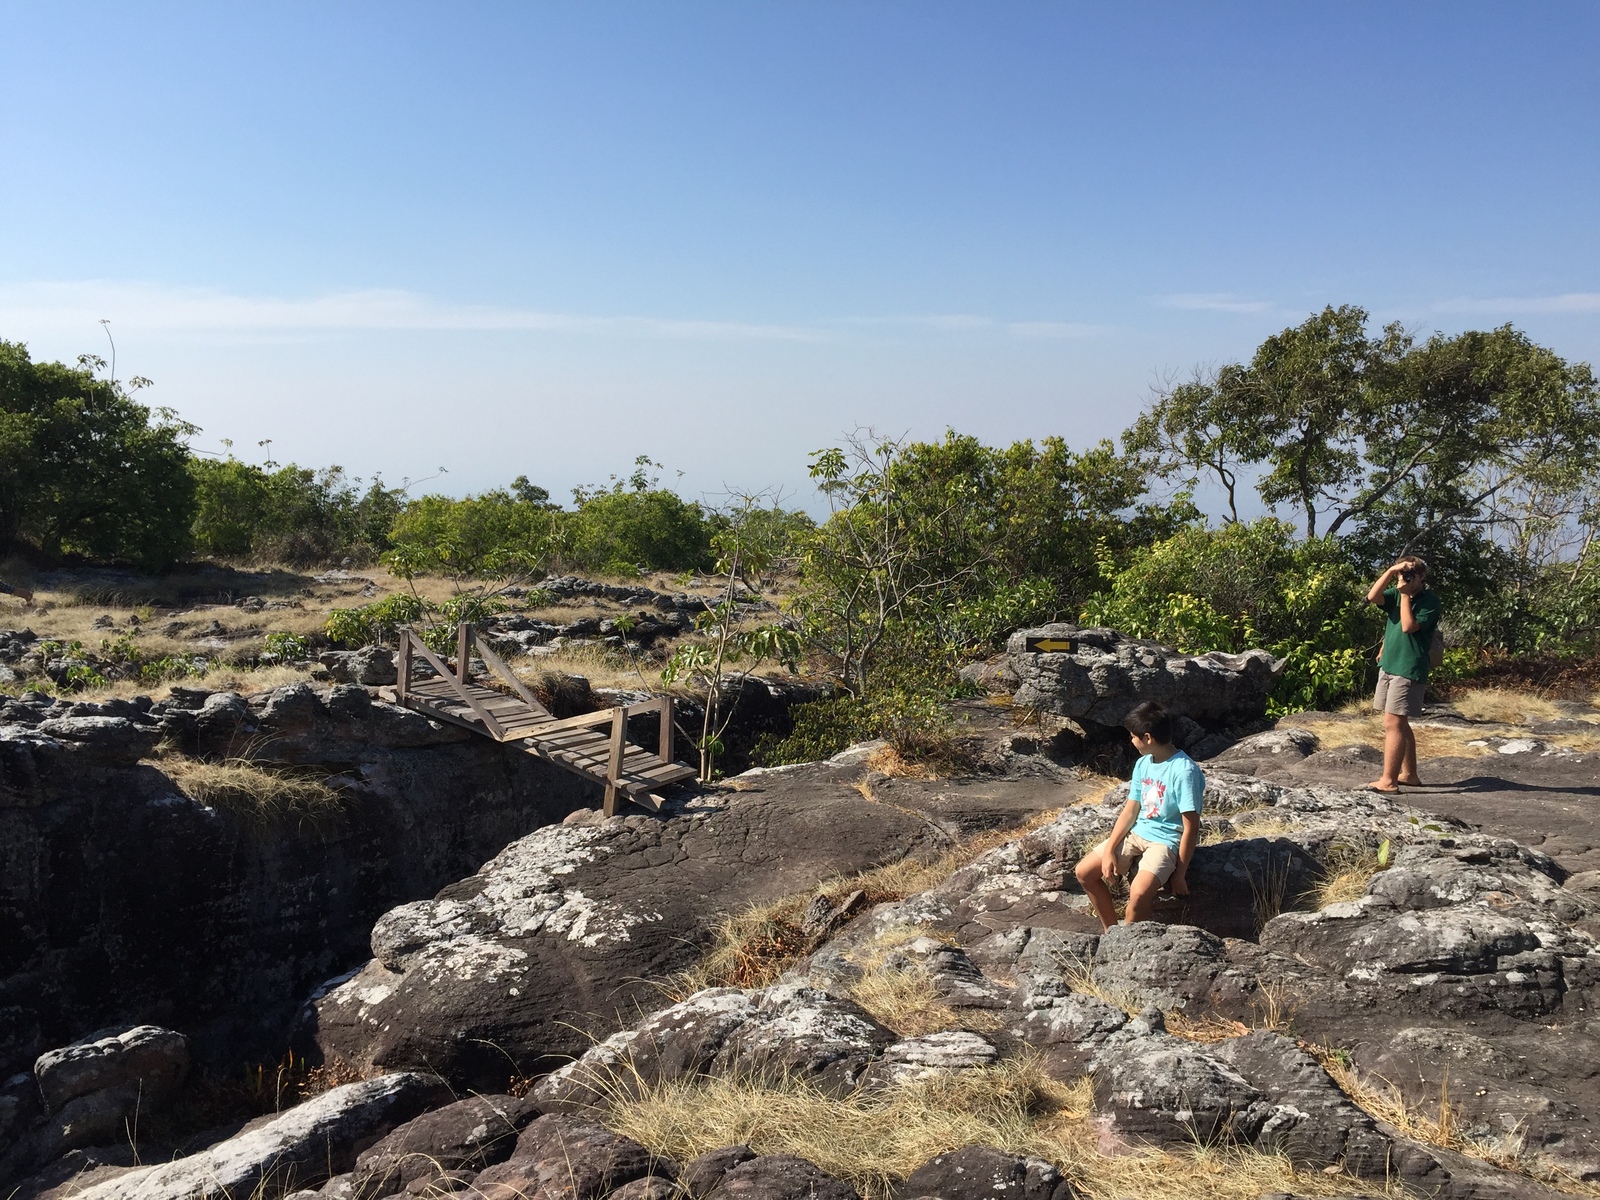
x=1079, y=976
x=752, y=948
x=1207, y=1030
x=1345, y=875
x=888, y=761
x=906, y=1001
x=874, y=1140
x=1439, y=1126
x=249, y=789
x=1504, y=705
x=903, y=997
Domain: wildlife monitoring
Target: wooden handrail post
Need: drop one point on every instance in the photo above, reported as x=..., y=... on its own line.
x=619, y=727
x=403, y=674
x=463, y=651
x=664, y=742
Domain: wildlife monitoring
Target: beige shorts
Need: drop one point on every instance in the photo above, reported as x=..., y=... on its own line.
x=1398, y=695
x=1158, y=858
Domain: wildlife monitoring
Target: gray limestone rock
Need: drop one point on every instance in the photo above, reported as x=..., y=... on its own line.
x=553, y=942
x=984, y=1173
x=470, y=1134
x=293, y=1149
x=701, y=1175
x=563, y=1157
x=1171, y=966
x=780, y=1177
x=147, y=1059
x=111, y=740
x=1109, y=673
x=788, y=1029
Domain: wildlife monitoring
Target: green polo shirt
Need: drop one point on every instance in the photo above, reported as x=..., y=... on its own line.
x=1407, y=653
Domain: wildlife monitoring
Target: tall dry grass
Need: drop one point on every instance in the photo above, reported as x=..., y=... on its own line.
x=258, y=792
x=875, y=1139
x=1440, y=1124
x=753, y=947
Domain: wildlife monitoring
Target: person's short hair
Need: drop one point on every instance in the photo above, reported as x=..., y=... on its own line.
x=1150, y=718
x=1415, y=563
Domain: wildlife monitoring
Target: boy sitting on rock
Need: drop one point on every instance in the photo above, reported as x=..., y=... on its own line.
x=1157, y=829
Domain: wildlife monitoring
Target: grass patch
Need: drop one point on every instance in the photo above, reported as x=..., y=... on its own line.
x=249, y=789
x=1346, y=873
x=752, y=948
x=903, y=997
x=1505, y=706
x=874, y=1140
x=1359, y=725
x=1439, y=1125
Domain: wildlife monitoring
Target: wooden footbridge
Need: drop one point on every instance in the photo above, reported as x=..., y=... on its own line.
x=593, y=745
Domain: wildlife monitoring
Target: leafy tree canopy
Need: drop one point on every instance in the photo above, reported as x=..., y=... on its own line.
x=1355, y=430
x=289, y=514
x=85, y=469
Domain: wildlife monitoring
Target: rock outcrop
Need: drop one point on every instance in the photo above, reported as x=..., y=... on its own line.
x=299, y=1147
x=1099, y=682
x=1334, y=942
x=555, y=939
x=124, y=901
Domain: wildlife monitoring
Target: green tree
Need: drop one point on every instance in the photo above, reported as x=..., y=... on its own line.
x=85, y=469
x=495, y=536
x=636, y=524
x=1383, y=438
x=743, y=543
x=290, y=514
x=1248, y=585
x=934, y=549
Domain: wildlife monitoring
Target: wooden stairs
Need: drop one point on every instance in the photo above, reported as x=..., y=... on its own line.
x=593, y=745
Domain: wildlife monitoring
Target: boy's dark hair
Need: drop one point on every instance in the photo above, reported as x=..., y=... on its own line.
x=1150, y=718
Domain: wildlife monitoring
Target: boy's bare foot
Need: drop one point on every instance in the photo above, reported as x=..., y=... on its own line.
x=1379, y=785
x=1412, y=782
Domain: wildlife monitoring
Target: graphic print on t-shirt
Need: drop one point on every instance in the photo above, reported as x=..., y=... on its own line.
x=1155, y=792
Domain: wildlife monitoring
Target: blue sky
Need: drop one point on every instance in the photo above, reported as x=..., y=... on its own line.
x=541, y=239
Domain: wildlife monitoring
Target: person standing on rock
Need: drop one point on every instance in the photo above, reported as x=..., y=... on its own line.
x=1412, y=612
x=1158, y=828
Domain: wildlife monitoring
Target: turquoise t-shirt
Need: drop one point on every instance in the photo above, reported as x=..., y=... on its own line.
x=1165, y=791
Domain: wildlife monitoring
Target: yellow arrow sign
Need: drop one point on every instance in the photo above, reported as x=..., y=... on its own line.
x=1045, y=645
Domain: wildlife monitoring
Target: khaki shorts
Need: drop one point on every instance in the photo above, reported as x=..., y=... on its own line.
x=1398, y=695
x=1158, y=858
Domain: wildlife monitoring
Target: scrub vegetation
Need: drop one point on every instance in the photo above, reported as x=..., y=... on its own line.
x=1476, y=451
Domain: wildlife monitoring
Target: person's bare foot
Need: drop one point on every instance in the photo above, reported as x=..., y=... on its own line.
x=1413, y=783
x=1379, y=785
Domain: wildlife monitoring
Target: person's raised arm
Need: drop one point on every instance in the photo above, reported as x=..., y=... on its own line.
x=1408, y=619
x=1375, y=592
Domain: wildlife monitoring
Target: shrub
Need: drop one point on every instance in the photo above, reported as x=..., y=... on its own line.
x=289, y=514
x=375, y=622
x=622, y=532
x=1248, y=585
x=286, y=647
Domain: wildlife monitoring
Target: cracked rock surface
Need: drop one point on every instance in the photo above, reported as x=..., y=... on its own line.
x=555, y=939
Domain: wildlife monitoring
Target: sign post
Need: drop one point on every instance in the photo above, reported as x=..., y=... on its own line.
x=1050, y=645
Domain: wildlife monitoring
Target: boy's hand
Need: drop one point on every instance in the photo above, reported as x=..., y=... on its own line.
x=1178, y=881
x=1108, y=864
